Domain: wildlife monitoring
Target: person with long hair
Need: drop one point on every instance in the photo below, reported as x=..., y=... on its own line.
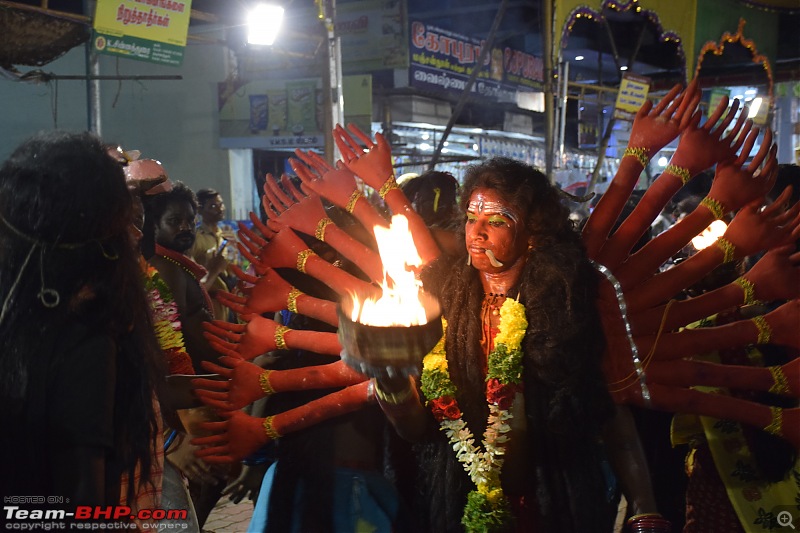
x=520, y=246
x=80, y=365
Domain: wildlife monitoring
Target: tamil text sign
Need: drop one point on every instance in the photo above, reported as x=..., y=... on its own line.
x=442, y=62
x=147, y=30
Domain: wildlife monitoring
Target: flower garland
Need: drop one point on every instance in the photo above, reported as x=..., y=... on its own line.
x=166, y=323
x=487, y=507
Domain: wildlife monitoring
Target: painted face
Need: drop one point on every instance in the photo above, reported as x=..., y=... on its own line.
x=175, y=230
x=492, y=226
x=213, y=210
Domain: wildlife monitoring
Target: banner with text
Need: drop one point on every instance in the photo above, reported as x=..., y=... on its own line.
x=442, y=62
x=631, y=96
x=146, y=30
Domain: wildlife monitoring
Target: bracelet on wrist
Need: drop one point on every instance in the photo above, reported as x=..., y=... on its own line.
x=351, y=203
x=748, y=289
x=683, y=173
x=280, y=342
x=319, y=233
x=714, y=206
x=302, y=258
x=648, y=522
x=640, y=154
x=764, y=331
x=775, y=426
x=389, y=185
x=263, y=380
x=728, y=249
x=393, y=398
x=780, y=383
x=269, y=430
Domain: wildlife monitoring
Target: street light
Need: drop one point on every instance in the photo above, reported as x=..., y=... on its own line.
x=263, y=24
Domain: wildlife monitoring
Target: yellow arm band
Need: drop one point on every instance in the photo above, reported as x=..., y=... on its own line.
x=269, y=430
x=639, y=153
x=263, y=380
x=351, y=203
x=682, y=173
x=714, y=206
x=389, y=185
x=280, y=331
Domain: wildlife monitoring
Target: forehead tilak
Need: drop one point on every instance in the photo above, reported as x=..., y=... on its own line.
x=486, y=207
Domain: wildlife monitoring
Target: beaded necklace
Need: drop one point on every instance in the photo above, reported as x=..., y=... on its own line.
x=195, y=271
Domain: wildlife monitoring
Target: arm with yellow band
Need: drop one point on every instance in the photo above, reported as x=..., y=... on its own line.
x=655, y=198
x=778, y=326
x=681, y=313
x=652, y=255
x=361, y=255
x=240, y=434
x=667, y=284
x=248, y=382
x=608, y=209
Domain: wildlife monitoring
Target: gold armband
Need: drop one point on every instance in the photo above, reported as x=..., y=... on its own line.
x=263, y=380
x=764, y=331
x=280, y=331
x=291, y=300
x=682, y=173
x=749, y=290
x=639, y=153
x=727, y=248
x=781, y=384
x=302, y=257
x=775, y=426
x=320, y=231
x=351, y=203
x=714, y=206
x=393, y=398
x=389, y=185
x=269, y=430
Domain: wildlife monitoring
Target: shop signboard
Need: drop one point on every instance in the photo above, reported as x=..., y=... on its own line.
x=374, y=35
x=631, y=96
x=442, y=62
x=285, y=114
x=146, y=30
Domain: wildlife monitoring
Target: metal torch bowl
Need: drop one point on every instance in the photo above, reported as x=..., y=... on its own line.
x=388, y=351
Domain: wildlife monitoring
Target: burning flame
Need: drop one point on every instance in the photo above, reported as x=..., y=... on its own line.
x=400, y=303
x=709, y=235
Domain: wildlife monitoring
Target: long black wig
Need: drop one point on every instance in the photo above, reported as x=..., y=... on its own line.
x=68, y=264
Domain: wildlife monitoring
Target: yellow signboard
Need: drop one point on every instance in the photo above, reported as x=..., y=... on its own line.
x=631, y=96
x=149, y=30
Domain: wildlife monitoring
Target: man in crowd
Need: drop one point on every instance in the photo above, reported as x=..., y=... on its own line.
x=212, y=246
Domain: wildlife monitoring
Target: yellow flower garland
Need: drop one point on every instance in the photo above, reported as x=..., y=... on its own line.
x=487, y=507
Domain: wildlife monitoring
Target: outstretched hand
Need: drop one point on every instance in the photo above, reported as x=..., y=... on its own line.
x=292, y=207
x=736, y=184
x=654, y=127
x=754, y=229
x=233, y=439
x=373, y=164
x=701, y=147
x=335, y=184
x=248, y=341
x=267, y=293
x=241, y=388
x=776, y=276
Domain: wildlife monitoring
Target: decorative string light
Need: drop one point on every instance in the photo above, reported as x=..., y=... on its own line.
x=664, y=36
x=727, y=38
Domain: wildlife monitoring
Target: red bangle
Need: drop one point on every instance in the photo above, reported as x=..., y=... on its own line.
x=648, y=522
